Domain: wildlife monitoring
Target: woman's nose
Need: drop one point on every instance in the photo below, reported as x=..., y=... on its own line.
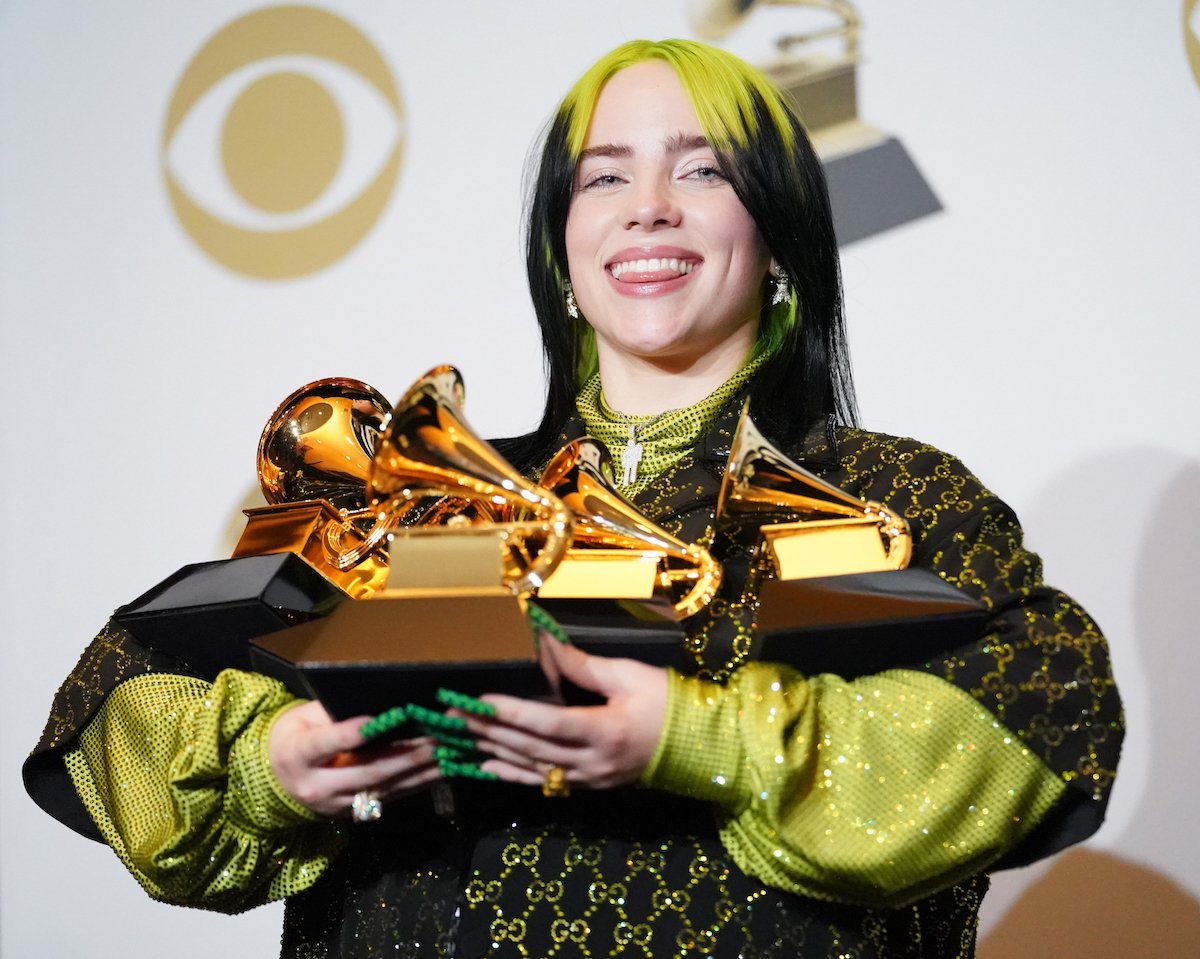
x=651, y=205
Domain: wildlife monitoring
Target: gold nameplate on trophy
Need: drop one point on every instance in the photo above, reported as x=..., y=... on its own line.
x=831, y=547
x=439, y=561
x=604, y=573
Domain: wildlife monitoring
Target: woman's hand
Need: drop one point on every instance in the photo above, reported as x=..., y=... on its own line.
x=322, y=764
x=595, y=746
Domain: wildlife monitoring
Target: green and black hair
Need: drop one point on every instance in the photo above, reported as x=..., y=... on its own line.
x=770, y=163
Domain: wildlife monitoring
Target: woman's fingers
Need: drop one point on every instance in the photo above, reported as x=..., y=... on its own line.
x=522, y=775
x=320, y=764
x=598, y=746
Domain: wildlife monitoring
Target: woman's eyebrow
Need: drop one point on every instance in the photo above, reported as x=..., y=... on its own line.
x=677, y=143
x=683, y=142
x=607, y=150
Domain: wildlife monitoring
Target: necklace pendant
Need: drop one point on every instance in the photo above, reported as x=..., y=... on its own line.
x=630, y=460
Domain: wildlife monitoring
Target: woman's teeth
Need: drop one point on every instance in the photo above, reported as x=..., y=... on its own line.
x=652, y=265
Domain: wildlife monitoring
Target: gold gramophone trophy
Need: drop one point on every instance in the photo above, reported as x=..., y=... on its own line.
x=464, y=540
x=873, y=182
x=615, y=550
x=840, y=597
x=314, y=456
x=625, y=584
x=289, y=565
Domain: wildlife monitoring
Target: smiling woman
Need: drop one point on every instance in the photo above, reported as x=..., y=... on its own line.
x=681, y=259
x=667, y=266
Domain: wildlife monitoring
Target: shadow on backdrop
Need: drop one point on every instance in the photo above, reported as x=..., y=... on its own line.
x=1096, y=905
x=1090, y=902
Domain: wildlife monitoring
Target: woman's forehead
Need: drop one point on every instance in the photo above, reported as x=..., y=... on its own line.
x=642, y=107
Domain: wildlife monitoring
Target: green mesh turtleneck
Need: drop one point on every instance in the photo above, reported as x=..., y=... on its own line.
x=666, y=437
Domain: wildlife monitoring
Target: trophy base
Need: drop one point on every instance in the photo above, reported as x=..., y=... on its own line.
x=876, y=189
x=862, y=623
x=205, y=613
x=371, y=655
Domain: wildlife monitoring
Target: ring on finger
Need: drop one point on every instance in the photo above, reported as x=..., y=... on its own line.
x=366, y=806
x=555, y=785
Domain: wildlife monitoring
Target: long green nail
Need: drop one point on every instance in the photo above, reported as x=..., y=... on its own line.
x=468, y=704
x=451, y=769
x=454, y=754
x=433, y=720
x=543, y=621
x=465, y=743
x=384, y=723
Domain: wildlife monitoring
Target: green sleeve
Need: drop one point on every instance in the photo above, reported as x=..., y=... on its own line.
x=174, y=771
x=876, y=791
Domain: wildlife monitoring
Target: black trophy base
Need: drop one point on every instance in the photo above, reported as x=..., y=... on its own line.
x=206, y=613
x=862, y=623
x=372, y=655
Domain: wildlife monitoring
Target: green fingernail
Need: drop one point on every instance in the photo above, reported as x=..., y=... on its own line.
x=384, y=723
x=451, y=769
x=452, y=753
x=468, y=704
x=465, y=743
x=434, y=720
x=541, y=621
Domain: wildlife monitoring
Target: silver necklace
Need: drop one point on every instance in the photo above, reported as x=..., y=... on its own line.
x=633, y=449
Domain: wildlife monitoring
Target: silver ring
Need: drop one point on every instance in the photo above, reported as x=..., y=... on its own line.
x=365, y=807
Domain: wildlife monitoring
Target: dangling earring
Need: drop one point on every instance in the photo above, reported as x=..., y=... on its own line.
x=782, y=290
x=572, y=306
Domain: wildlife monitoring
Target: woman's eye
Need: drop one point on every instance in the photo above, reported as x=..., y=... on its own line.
x=705, y=173
x=600, y=181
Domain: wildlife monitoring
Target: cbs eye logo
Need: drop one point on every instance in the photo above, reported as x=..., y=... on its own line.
x=1191, y=34
x=282, y=142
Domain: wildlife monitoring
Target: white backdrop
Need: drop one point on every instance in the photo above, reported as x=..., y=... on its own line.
x=1043, y=327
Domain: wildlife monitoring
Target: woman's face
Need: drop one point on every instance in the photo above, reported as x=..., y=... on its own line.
x=666, y=263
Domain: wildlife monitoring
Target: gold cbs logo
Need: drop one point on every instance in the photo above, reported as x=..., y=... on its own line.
x=1191, y=35
x=282, y=141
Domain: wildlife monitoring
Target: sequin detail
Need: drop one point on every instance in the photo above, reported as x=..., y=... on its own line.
x=876, y=790
x=175, y=774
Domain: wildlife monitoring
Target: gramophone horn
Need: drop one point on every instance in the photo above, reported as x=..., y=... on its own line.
x=313, y=458
x=319, y=442
x=427, y=450
x=579, y=475
x=760, y=482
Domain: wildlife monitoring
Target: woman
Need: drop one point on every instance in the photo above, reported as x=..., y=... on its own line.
x=681, y=258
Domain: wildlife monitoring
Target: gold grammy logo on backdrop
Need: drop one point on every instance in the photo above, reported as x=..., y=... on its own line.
x=1191, y=35
x=874, y=184
x=282, y=141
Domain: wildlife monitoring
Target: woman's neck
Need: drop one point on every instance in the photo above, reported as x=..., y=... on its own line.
x=637, y=386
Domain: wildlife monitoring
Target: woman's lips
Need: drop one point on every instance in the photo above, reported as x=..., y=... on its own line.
x=660, y=268
x=650, y=269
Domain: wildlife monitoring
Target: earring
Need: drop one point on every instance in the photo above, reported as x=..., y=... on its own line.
x=782, y=289
x=572, y=306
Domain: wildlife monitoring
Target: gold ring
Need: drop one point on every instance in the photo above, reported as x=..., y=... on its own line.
x=555, y=785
